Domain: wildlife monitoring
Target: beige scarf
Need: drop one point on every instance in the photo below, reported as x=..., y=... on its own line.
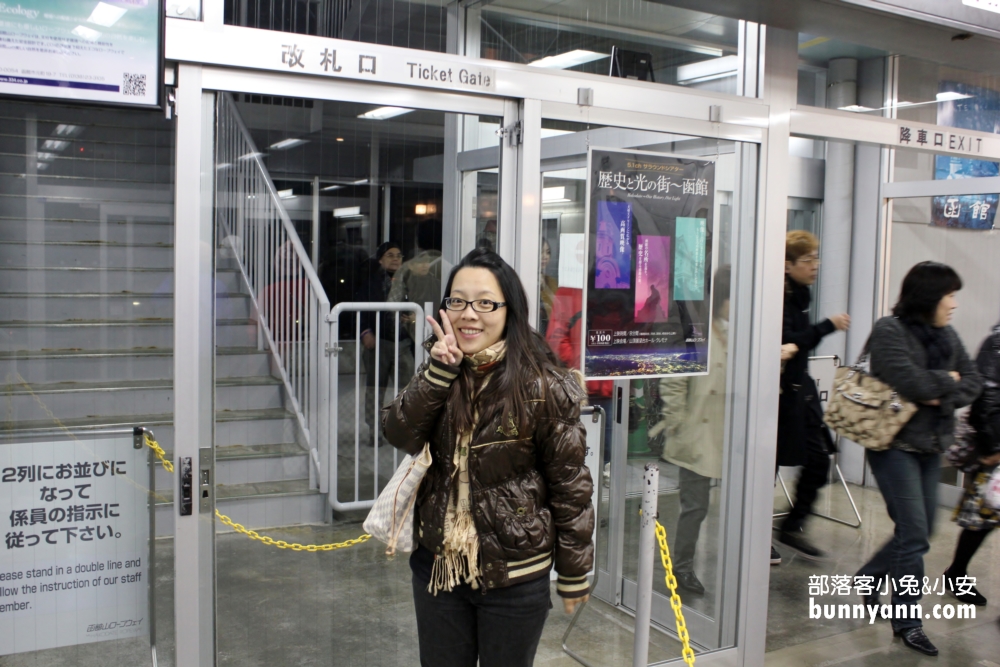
x=460, y=561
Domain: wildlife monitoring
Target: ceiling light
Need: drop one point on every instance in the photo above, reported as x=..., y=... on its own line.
x=106, y=15
x=420, y=209
x=382, y=113
x=568, y=59
x=86, y=33
x=285, y=144
x=251, y=155
x=330, y=188
x=707, y=70
x=347, y=212
x=340, y=138
x=46, y=156
x=951, y=96
x=907, y=104
x=360, y=181
x=856, y=108
x=224, y=165
x=66, y=130
x=554, y=194
x=55, y=144
x=42, y=166
x=286, y=194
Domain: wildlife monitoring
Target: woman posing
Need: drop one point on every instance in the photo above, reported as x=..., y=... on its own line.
x=507, y=496
x=920, y=356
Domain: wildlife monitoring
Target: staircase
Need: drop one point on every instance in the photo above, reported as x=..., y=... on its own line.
x=86, y=329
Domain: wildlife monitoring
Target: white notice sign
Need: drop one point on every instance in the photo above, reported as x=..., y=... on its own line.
x=74, y=561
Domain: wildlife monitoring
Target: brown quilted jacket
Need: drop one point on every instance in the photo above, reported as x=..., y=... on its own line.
x=531, y=492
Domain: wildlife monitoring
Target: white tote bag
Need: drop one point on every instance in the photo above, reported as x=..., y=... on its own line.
x=391, y=517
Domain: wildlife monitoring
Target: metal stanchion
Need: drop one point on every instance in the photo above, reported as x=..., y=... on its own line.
x=647, y=549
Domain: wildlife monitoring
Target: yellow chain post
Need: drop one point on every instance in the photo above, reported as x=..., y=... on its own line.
x=253, y=534
x=160, y=454
x=675, y=599
x=281, y=544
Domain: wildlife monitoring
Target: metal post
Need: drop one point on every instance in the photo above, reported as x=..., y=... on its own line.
x=644, y=582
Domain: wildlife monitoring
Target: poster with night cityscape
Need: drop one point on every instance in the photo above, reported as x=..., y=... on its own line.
x=647, y=292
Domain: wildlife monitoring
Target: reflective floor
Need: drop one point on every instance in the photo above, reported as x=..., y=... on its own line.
x=354, y=607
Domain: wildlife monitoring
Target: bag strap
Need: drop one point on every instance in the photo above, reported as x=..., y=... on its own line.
x=865, y=355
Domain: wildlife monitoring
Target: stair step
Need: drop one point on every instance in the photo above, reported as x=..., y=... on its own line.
x=94, y=399
x=14, y=229
x=232, y=426
x=97, y=365
x=73, y=253
x=83, y=279
x=105, y=334
x=48, y=307
x=289, y=504
x=242, y=464
x=288, y=487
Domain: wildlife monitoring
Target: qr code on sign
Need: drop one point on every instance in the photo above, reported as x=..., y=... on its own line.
x=134, y=84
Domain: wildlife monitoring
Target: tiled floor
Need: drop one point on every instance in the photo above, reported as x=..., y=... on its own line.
x=354, y=607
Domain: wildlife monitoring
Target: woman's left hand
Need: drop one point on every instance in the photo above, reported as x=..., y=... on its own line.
x=570, y=604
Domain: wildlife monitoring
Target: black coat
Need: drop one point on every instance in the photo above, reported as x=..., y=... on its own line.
x=800, y=415
x=985, y=413
x=899, y=359
x=374, y=286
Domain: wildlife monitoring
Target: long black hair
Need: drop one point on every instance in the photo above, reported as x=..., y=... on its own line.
x=527, y=359
x=923, y=288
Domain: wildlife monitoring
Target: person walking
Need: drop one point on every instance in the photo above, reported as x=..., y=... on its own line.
x=976, y=519
x=803, y=438
x=508, y=496
x=918, y=354
x=378, y=330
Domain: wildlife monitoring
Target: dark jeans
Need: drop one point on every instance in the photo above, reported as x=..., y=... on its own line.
x=812, y=478
x=694, y=497
x=499, y=629
x=909, y=485
x=386, y=375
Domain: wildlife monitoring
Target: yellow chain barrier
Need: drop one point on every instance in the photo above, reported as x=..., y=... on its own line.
x=253, y=534
x=675, y=600
x=160, y=454
x=281, y=544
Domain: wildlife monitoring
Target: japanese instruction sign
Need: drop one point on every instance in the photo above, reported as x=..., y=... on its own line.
x=107, y=51
x=647, y=292
x=74, y=561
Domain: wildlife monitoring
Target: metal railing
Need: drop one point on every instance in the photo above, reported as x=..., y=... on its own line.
x=289, y=303
x=363, y=495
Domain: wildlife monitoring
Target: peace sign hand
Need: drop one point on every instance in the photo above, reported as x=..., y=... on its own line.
x=446, y=348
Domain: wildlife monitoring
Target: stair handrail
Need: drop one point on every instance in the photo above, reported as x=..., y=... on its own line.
x=300, y=363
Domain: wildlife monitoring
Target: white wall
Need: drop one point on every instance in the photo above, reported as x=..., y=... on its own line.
x=975, y=255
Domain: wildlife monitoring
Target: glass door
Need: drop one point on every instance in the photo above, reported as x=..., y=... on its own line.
x=338, y=221
x=690, y=426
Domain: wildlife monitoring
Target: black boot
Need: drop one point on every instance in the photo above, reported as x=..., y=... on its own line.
x=796, y=541
x=972, y=596
x=916, y=639
x=687, y=582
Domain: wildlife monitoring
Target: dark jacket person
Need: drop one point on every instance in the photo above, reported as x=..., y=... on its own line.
x=508, y=496
x=803, y=439
x=917, y=353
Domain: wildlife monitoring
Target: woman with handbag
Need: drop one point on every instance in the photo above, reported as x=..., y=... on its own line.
x=507, y=496
x=919, y=355
x=975, y=517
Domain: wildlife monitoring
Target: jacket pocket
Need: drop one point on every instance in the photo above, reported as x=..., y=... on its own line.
x=521, y=528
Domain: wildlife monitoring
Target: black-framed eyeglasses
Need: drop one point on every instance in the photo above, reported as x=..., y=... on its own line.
x=479, y=305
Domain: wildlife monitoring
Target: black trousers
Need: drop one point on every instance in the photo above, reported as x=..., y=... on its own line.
x=695, y=495
x=812, y=478
x=500, y=628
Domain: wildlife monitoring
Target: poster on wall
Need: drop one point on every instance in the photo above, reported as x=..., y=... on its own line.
x=101, y=51
x=74, y=566
x=971, y=108
x=649, y=275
